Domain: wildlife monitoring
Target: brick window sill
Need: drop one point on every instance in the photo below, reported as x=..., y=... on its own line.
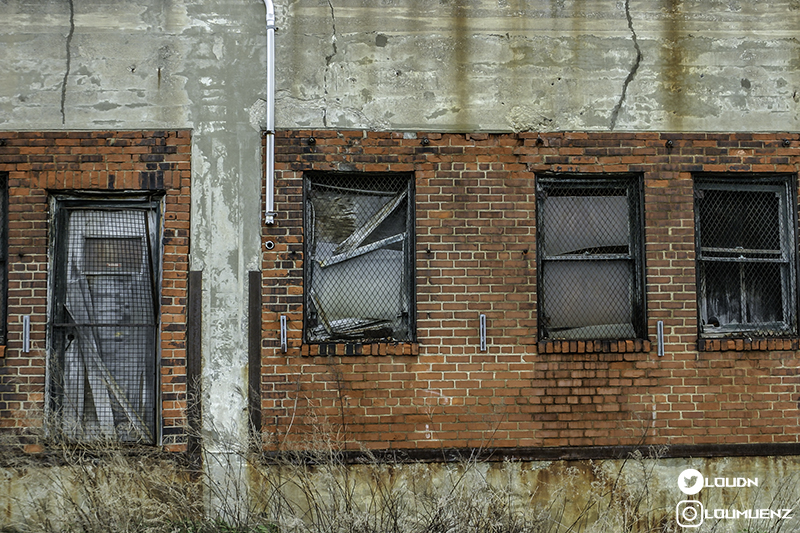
x=359, y=348
x=747, y=344
x=626, y=346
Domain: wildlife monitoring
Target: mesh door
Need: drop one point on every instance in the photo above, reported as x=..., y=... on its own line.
x=106, y=331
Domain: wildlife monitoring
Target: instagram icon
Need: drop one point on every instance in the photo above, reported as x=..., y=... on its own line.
x=689, y=513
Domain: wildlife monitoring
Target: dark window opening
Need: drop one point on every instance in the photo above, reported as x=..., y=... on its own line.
x=590, y=281
x=745, y=232
x=104, y=319
x=359, y=257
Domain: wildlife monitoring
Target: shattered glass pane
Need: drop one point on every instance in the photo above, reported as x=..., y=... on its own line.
x=359, y=273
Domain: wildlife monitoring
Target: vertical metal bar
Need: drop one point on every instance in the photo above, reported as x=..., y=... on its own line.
x=269, y=216
x=26, y=333
x=194, y=335
x=482, y=330
x=284, y=336
x=254, y=351
x=660, y=338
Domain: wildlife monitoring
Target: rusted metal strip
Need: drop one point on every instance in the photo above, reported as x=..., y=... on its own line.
x=194, y=354
x=254, y=351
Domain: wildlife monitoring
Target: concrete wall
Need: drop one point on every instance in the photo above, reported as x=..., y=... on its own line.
x=501, y=65
x=638, y=494
x=511, y=65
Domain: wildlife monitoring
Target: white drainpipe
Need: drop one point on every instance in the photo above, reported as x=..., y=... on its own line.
x=270, y=133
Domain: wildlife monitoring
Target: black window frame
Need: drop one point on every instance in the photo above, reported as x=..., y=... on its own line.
x=4, y=258
x=311, y=318
x=785, y=187
x=633, y=185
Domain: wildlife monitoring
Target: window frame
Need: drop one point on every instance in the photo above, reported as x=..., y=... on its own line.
x=409, y=246
x=633, y=183
x=786, y=185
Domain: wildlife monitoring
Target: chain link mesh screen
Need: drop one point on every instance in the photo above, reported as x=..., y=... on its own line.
x=106, y=330
x=359, y=257
x=746, y=267
x=590, y=254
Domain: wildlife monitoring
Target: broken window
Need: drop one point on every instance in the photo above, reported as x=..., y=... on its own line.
x=590, y=278
x=746, y=259
x=359, y=257
x=105, y=319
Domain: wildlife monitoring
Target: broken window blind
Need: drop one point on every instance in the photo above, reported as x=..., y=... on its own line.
x=106, y=331
x=359, y=276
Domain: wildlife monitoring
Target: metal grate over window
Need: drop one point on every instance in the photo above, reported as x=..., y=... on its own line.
x=590, y=279
x=359, y=257
x=745, y=231
x=105, y=323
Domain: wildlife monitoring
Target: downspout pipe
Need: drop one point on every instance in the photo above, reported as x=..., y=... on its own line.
x=269, y=217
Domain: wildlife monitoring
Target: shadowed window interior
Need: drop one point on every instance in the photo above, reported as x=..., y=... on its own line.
x=590, y=257
x=105, y=320
x=745, y=232
x=359, y=257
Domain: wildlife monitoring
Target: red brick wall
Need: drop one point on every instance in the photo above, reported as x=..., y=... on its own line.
x=42, y=162
x=476, y=253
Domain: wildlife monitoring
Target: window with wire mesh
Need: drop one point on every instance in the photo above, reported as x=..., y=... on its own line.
x=105, y=321
x=590, y=258
x=359, y=243
x=746, y=255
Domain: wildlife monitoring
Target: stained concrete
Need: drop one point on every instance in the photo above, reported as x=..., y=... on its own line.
x=558, y=65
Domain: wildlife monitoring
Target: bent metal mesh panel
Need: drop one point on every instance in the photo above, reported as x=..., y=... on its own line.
x=745, y=253
x=106, y=324
x=359, y=257
x=590, y=253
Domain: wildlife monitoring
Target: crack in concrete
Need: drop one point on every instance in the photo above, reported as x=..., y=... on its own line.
x=69, y=60
x=329, y=58
x=634, y=68
x=328, y=61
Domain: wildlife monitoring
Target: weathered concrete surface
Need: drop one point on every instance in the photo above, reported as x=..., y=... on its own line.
x=601, y=496
x=499, y=65
x=403, y=64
